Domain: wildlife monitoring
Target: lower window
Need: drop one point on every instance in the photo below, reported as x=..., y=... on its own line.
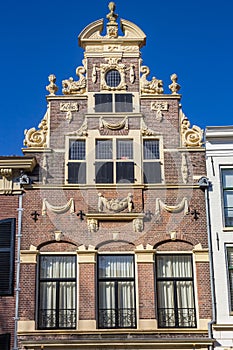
x=230, y=274
x=175, y=292
x=57, y=292
x=116, y=289
x=5, y=341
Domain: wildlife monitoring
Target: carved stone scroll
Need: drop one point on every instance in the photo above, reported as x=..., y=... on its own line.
x=82, y=131
x=37, y=138
x=145, y=131
x=115, y=205
x=190, y=137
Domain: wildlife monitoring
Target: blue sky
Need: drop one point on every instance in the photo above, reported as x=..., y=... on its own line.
x=191, y=38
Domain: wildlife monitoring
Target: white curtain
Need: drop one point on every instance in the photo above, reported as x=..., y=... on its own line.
x=175, y=290
x=57, y=297
x=116, y=297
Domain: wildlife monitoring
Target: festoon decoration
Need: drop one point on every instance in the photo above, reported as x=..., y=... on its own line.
x=115, y=205
x=190, y=137
x=160, y=205
x=57, y=209
x=114, y=126
x=38, y=138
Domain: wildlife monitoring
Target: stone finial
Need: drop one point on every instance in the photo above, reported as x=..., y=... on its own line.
x=174, y=86
x=52, y=87
x=111, y=16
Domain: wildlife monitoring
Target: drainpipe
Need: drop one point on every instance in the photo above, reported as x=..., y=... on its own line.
x=204, y=184
x=24, y=180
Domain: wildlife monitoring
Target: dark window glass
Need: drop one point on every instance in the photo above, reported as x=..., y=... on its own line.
x=76, y=173
x=123, y=103
x=57, y=292
x=103, y=103
x=230, y=274
x=152, y=172
x=116, y=291
x=7, y=236
x=125, y=172
x=227, y=184
x=5, y=341
x=104, y=172
x=113, y=78
x=175, y=291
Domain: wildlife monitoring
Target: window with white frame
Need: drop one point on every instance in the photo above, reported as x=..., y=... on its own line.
x=151, y=161
x=77, y=162
x=110, y=103
x=227, y=187
x=114, y=161
x=175, y=291
x=57, y=292
x=116, y=291
x=230, y=274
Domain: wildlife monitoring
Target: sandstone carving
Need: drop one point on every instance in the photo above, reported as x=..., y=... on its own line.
x=92, y=225
x=57, y=209
x=112, y=63
x=191, y=137
x=52, y=87
x=138, y=225
x=184, y=168
x=155, y=86
x=159, y=107
x=114, y=126
x=174, y=86
x=69, y=107
x=72, y=87
x=37, y=138
x=115, y=205
x=160, y=205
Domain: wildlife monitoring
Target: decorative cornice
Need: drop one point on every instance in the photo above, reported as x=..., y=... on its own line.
x=21, y=163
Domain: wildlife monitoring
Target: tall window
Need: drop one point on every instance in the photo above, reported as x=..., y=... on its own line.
x=116, y=289
x=230, y=275
x=7, y=237
x=227, y=185
x=151, y=161
x=77, y=162
x=175, y=291
x=109, y=103
x=57, y=292
x=114, y=161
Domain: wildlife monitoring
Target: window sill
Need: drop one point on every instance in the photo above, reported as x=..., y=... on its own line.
x=228, y=229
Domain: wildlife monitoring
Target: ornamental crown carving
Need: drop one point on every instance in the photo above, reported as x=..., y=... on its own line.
x=132, y=34
x=37, y=138
x=190, y=137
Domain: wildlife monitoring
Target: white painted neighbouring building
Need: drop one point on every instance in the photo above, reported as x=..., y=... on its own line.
x=219, y=155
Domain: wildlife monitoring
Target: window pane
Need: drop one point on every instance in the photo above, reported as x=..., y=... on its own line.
x=125, y=172
x=113, y=78
x=124, y=149
x=76, y=173
x=152, y=172
x=227, y=176
x=123, y=103
x=116, y=266
x=230, y=274
x=104, y=172
x=151, y=149
x=103, y=103
x=174, y=266
x=103, y=149
x=77, y=150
